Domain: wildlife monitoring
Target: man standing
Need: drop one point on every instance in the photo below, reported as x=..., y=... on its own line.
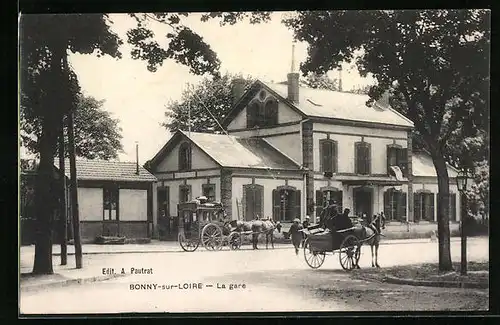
x=305, y=224
x=296, y=235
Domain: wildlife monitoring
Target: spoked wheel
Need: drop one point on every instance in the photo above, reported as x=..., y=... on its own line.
x=188, y=244
x=313, y=258
x=234, y=241
x=350, y=252
x=211, y=237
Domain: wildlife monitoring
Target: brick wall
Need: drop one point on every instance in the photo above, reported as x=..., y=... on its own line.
x=226, y=195
x=308, y=162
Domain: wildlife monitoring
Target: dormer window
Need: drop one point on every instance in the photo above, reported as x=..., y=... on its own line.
x=262, y=114
x=185, y=156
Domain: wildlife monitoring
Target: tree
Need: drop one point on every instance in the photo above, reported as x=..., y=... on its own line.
x=50, y=87
x=320, y=81
x=97, y=134
x=212, y=94
x=435, y=62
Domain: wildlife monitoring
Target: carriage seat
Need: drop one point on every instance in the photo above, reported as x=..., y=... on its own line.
x=346, y=229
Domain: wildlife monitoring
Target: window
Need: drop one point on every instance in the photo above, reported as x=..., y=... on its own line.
x=424, y=206
x=286, y=204
x=208, y=191
x=328, y=154
x=184, y=193
x=363, y=158
x=323, y=196
x=185, y=156
x=397, y=156
x=395, y=205
x=253, y=200
x=110, y=202
x=261, y=113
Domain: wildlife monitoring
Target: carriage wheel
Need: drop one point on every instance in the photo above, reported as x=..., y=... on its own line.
x=350, y=252
x=313, y=259
x=234, y=240
x=188, y=245
x=211, y=237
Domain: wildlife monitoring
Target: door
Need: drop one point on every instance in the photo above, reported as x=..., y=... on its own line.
x=363, y=201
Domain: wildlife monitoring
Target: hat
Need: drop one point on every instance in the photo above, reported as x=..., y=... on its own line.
x=307, y=217
x=296, y=220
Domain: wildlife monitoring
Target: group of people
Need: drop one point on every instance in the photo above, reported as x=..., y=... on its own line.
x=330, y=219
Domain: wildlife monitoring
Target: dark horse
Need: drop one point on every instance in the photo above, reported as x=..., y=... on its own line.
x=257, y=227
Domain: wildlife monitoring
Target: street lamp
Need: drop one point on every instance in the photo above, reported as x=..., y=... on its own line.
x=462, y=180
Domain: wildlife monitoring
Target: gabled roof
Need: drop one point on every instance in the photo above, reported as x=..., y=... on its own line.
x=320, y=103
x=423, y=166
x=105, y=170
x=233, y=151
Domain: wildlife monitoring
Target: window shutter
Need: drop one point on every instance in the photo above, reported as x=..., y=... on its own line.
x=334, y=156
x=431, y=209
x=297, y=210
x=271, y=112
x=403, y=206
x=326, y=156
x=453, y=207
x=391, y=158
x=258, y=194
x=276, y=205
x=417, y=215
x=387, y=205
x=367, y=158
x=357, y=158
x=403, y=161
x=319, y=203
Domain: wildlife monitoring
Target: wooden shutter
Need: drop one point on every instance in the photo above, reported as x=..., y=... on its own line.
x=258, y=199
x=357, y=158
x=297, y=205
x=402, y=159
x=453, y=207
x=417, y=210
x=387, y=205
x=334, y=156
x=326, y=156
x=429, y=206
x=367, y=158
x=401, y=206
x=319, y=203
x=276, y=205
x=391, y=155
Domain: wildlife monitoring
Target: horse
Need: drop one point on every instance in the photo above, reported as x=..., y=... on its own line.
x=370, y=232
x=258, y=226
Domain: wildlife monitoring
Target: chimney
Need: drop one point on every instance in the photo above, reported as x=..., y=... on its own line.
x=237, y=89
x=293, y=80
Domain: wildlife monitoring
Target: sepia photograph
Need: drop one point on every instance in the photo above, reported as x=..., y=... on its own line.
x=254, y=162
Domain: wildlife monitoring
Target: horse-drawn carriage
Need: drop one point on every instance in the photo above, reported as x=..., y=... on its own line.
x=346, y=242
x=203, y=222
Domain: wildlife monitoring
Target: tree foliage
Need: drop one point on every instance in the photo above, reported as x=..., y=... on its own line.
x=434, y=62
x=97, y=134
x=320, y=81
x=210, y=95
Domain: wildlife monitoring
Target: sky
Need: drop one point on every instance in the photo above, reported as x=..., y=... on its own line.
x=138, y=97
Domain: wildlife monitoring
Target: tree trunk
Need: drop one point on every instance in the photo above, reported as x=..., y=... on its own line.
x=44, y=198
x=442, y=211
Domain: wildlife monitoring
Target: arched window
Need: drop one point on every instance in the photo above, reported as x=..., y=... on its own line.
x=253, y=110
x=271, y=112
x=185, y=156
